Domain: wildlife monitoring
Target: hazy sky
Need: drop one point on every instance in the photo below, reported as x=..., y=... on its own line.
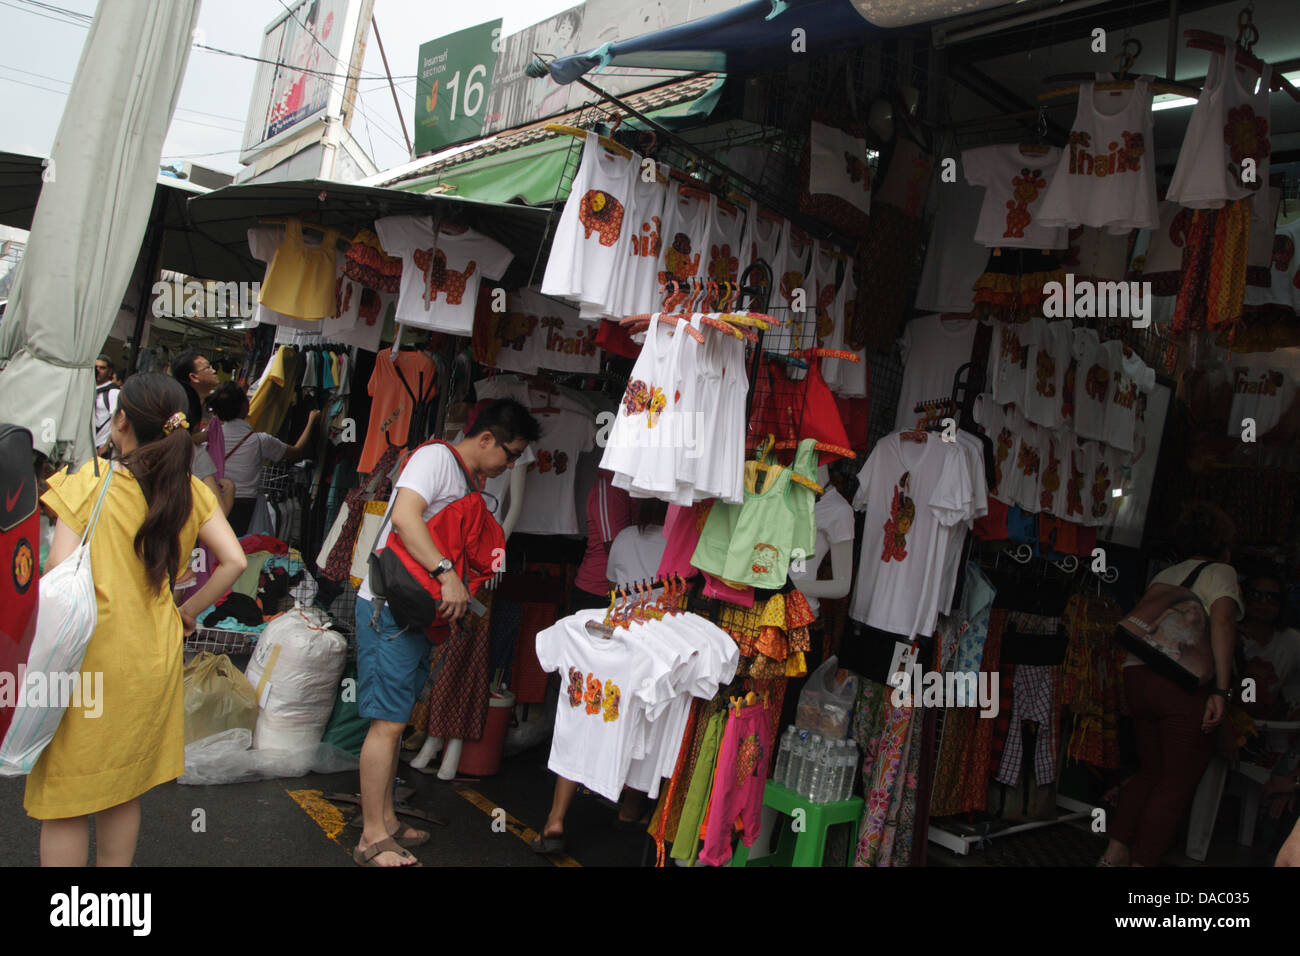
x=39, y=49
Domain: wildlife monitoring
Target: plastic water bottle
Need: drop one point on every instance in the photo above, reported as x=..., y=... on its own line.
x=811, y=748
x=783, y=755
x=798, y=748
x=850, y=769
x=835, y=792
x=825, y=770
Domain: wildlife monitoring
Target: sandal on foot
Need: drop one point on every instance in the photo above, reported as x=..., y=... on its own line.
x=548, y=844
x=409, y=842
x=367, y=856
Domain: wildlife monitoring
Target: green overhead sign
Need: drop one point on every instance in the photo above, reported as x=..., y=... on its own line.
x=452, y=82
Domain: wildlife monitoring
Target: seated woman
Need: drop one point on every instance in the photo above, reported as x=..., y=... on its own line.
x=1271, y=650
x=246, y=449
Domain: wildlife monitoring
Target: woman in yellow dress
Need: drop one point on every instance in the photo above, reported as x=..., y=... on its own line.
x=153, y=512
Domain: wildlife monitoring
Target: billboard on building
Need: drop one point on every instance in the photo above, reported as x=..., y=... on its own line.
x=306, y=52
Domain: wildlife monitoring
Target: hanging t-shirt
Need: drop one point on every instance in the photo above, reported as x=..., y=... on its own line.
x=846, y=379
x=436, y=476
x=953, y=259
x=607, y=684
x=263, y=241
x=1284, y=273
x=1229, y=125
x=635, y=555
x=1106, y=476
x=909, y=492
x=550, y=507
x=1128, y=376
x=1263, y=394
x=1015, y=185
x=440, y=284
x=1046, y=363
x=762, y=242
x=591, y=239
x=688, y=224
x=1054, y=471
x=798, y=329
x=992, y=417
x=835, y=524
x=933, y=348
x=1008, y=365
x=637, y=292
x=1092, y=385
x=1077, y=479
x=539, y=332
x=1030, y=451
x=299, y=280
x=392, y=402
x=726, y=244
x=837, y=166
x=363, y=324
x=822, y=286
x=1106, y=176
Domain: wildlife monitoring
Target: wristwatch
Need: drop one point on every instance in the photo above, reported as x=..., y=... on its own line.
x=1225, y=694
x=444, y=566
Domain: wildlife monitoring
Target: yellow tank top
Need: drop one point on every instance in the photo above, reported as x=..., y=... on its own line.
x=300, y=280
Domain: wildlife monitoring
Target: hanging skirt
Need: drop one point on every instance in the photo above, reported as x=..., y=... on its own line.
x=458, y=701
x=1011, y=287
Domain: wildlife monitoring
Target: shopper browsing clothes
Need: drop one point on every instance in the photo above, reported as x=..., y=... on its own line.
x=246, y=450
x=609, y=511
x=392, y=662
x=199, y=379
x=153, y=512
x=1176, y=728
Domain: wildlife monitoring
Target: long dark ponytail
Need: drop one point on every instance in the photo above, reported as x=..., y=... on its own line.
x=161, y=465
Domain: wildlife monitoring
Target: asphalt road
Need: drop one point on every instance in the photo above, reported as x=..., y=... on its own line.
x=282, y=823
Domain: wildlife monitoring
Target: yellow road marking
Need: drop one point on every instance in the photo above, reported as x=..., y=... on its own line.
x=327, y=816
x=514, y=826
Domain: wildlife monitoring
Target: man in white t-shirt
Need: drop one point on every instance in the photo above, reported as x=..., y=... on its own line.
x=393, y=661
x=105, y=401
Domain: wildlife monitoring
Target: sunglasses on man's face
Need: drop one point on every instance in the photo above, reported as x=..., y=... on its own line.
x=513, y=456
x=1264, y=597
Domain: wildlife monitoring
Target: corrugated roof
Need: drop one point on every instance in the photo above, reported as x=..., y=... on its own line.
x=670, y=94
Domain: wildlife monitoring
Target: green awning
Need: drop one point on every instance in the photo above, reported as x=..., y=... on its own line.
x=533, y=174
x=529, y=173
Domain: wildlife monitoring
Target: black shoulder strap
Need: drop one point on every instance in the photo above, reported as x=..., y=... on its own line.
x=1196, y=573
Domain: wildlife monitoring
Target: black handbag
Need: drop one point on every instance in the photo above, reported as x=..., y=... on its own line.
x=392, y=583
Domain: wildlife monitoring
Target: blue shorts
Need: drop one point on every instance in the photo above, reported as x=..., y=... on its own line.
x=392, y=664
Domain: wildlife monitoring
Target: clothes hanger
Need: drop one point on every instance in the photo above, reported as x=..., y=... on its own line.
x=605, y=141
x=1131, y=50
x=1243, y=49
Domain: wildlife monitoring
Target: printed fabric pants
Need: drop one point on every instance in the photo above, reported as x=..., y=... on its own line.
x=1174, y=753
x=738, y=784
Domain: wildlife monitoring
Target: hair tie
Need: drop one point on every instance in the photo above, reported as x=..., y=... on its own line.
x=178, y=420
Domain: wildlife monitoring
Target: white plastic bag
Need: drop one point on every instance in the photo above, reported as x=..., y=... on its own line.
x=65, y=619
x=826, y=703
x=295, y=673
x=228, y=757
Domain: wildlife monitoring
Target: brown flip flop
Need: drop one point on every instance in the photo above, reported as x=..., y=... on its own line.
x=409, y=842
x=367, y=856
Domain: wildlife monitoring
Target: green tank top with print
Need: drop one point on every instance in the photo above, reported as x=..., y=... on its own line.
x=751, y=544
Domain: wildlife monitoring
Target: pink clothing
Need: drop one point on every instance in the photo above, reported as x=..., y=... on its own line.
x=609, y=511
x=682, y=529
x=738, y=784
x=715, y=587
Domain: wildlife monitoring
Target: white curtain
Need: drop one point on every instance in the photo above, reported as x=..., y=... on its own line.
x=91, y=218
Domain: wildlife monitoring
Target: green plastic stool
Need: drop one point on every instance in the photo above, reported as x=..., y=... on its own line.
x=808, y=847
